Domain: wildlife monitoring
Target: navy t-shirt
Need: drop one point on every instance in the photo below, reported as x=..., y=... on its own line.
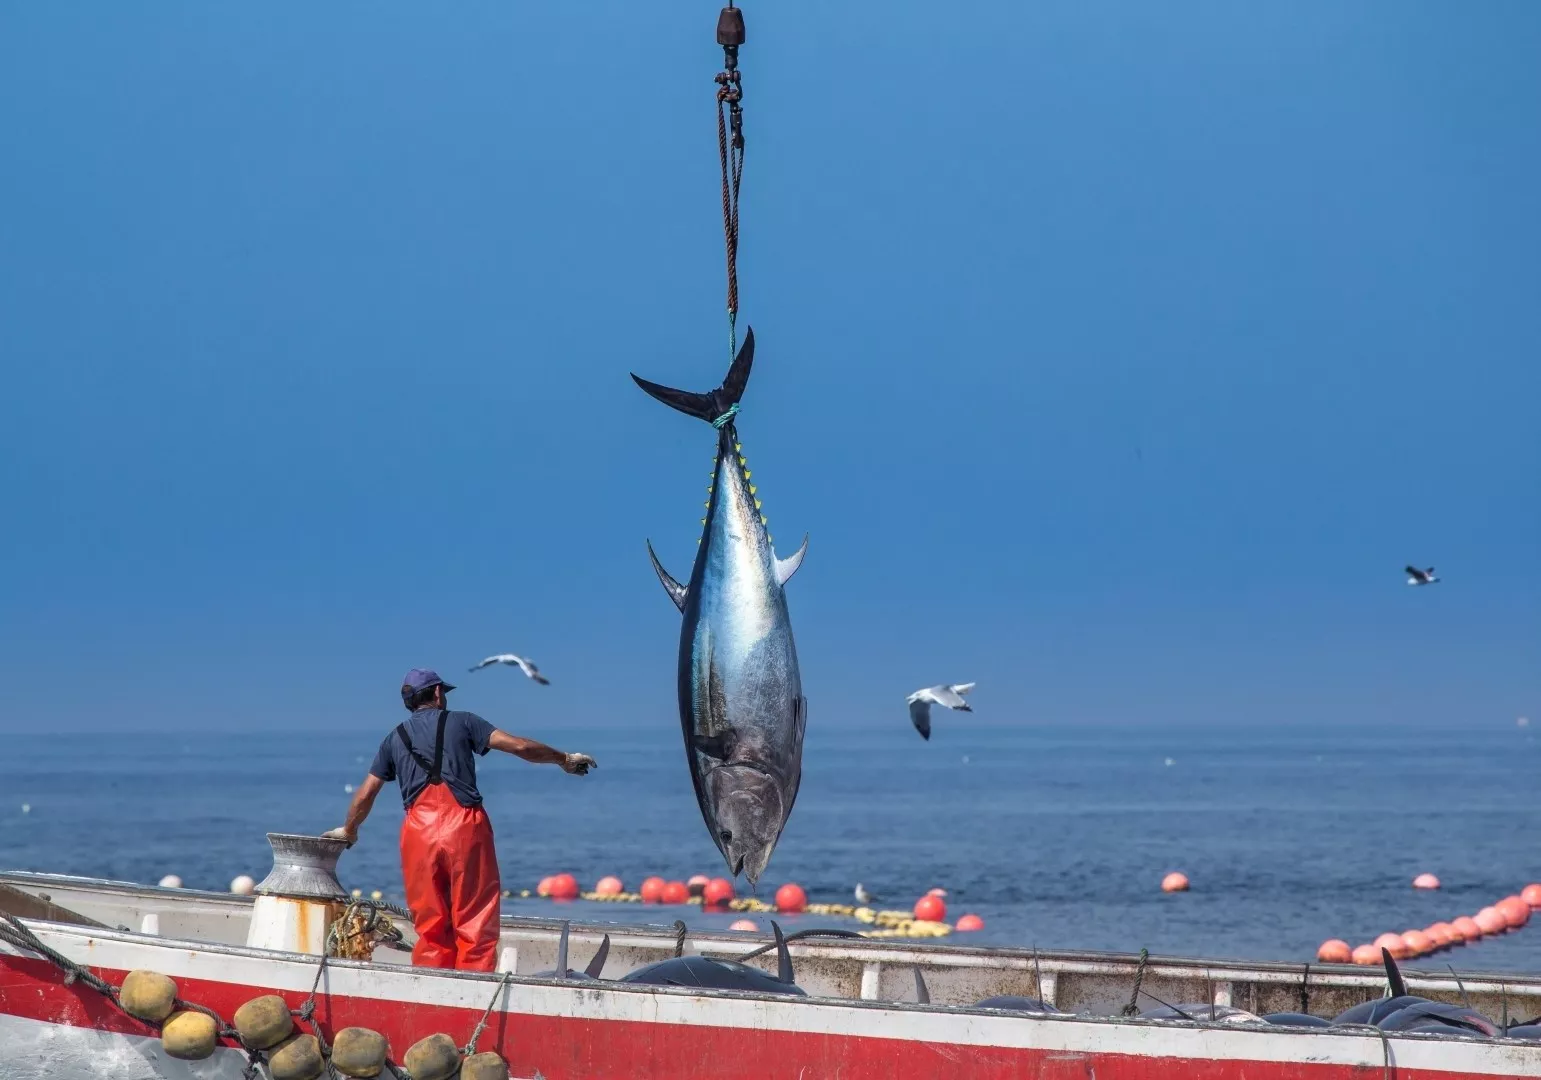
x=465, y=734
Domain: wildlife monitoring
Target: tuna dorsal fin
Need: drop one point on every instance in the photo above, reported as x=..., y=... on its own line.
x=597, y=964
x=785, y=568
x=922, y=994
x=561, y=952
x=676, y=591
x=783, y=957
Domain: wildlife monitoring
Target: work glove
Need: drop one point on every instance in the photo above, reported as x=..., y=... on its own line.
x=340, y=833
x=578, y=764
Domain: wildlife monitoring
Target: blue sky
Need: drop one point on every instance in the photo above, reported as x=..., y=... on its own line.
x=1116, y=357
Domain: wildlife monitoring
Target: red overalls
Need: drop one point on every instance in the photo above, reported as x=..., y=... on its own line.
x=451, y=872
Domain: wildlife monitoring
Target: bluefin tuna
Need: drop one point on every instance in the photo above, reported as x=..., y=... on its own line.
x=740, y=691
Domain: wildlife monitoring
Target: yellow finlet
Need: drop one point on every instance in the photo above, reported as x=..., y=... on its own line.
x=757, y=504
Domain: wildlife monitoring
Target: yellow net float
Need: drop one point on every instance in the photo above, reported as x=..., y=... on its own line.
x=359, y=1052
x=434, y=1058
x=189, y=1036
x=298, y=1059
x=264, y=1022
x=148, y=996
x=486, y=1066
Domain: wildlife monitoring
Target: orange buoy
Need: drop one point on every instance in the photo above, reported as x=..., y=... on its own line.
x=967, y=923
x=930, y=908
x=697, y=884
x=675, y=892
x=652, y=890
x=718, y=891
x=791, y=899
x=1514, y=910
x=544, y=888
x=1367, y=955
x=564, y=887
x=1417, y=942
x=1491, y=920
x=1425, y=881
x=1174, y=882
x=746, y=925
x=1393, y=944
x=1531, y=894
x=1466, y=928
x=1334, y=952
x=609, y=886
x=1442, y=933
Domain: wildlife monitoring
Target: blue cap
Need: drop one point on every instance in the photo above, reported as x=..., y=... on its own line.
x=419, y=679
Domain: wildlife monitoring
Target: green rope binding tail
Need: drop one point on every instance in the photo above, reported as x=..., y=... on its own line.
x=725, y=417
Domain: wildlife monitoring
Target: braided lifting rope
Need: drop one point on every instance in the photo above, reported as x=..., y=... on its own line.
x=730, y=150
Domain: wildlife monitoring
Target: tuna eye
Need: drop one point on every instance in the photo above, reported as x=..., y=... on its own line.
x=727, y=836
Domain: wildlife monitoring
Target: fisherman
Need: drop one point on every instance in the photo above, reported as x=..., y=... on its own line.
x=447, y=855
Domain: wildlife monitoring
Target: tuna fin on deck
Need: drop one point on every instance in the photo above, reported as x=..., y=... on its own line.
x=783, y=957
x=676, y=591
x=716, y=404
x=922, y=994
x=597, y=964
x=1393, y=974
x=785, y=568
x=561, y=952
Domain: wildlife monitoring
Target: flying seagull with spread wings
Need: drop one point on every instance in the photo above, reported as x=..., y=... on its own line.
x=922, y=700
x=526, y=666
x=1420, y=577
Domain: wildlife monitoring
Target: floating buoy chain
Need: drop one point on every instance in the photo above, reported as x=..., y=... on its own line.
x=14, y=932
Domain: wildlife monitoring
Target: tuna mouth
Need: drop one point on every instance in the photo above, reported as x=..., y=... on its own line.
x=748, y=816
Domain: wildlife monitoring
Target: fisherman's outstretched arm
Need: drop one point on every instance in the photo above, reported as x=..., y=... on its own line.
x=358, y=809
x=540, y=753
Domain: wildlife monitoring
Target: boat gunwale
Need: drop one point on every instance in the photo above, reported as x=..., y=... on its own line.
x=721, y=944
x=616, y=986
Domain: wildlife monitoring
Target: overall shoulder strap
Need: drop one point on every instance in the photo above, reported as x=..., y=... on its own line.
x=406, y=740
x=436, y=773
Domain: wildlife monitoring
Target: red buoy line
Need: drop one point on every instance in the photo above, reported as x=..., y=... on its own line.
x=926, y=919
x=1510, y=913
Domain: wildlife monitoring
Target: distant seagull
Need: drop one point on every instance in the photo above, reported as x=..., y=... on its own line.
x=864, y=897
x=922, y=700
x=515, y=661
x=1420, y=577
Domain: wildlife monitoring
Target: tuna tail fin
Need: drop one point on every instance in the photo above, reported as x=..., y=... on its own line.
x=717, y=404
x=561, y=952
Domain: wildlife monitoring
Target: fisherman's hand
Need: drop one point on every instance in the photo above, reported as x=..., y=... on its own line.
x=578, y=764
x=343, y=833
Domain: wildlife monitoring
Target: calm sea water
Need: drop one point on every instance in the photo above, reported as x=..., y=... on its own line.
x=1056, y=837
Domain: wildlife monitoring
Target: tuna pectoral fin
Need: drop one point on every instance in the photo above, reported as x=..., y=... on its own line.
x=714, y=405
x=785, y=568
x=675, y=590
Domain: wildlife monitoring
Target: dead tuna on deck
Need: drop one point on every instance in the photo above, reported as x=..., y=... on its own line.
x=740, y=692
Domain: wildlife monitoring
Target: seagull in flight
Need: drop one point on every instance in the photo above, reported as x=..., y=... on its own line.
x=520, y=662
x=1420, y=577
x=922, y=700
x=863, y=897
